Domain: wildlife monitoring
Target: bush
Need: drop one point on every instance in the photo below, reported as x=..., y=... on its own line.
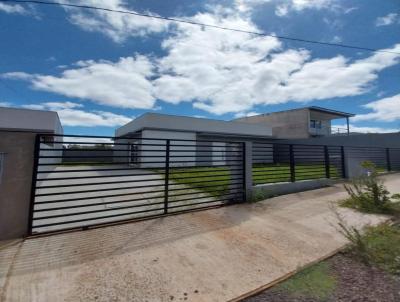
x=377, y=245
x=368, y=194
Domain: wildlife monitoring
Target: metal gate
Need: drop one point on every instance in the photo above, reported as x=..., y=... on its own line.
x=85, y=181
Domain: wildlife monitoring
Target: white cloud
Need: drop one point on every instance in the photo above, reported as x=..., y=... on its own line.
x=13, y=9
x=299, y=5
x=246, y=114
x=123, y=84
x=5, y=104
x=71, y=116
x=385, y=110
x=217, y=71
x=336, y=39
x=240, y=71
x=388, y=19
x=116, y=26
x=361, y=129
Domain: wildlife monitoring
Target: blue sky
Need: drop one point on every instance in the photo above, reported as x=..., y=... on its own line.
x=99, y=70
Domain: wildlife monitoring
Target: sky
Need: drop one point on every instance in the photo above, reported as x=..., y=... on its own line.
x=99, y=70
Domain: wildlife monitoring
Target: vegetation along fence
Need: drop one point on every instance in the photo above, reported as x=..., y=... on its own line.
x=85, y=181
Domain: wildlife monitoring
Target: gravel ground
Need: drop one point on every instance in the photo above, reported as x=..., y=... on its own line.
x=356, y=282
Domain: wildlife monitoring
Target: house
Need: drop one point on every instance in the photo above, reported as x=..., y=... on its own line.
x=301, y=123
x=191, y=131
x=28, y=120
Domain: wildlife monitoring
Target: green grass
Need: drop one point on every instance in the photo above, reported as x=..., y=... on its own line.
x=215, y=181
x=380, y=246
x=219, y=177
x=315, y=282
x=270, y=173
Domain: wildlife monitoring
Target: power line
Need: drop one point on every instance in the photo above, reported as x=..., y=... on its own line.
x=199, y=24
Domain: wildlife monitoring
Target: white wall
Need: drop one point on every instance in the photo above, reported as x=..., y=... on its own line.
x=189, y=155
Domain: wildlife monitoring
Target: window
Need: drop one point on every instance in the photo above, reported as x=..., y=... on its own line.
x=315, y=124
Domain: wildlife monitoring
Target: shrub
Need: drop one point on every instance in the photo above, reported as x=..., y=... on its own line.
x=368, y=194
x=377, y=245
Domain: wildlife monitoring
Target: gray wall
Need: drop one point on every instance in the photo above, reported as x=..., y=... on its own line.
x=15, y=185
x=386, y=140
x=285, y=124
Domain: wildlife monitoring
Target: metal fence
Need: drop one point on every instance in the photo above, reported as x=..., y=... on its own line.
x=85, y=181
x=274, y=163
x=142, y=178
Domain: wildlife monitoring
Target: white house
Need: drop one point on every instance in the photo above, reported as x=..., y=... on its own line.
x=195, y=135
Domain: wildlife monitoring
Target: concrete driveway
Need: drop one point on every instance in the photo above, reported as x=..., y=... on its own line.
x=214, y=255
x=130, y=186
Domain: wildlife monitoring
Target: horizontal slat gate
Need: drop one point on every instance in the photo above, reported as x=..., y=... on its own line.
x=81, y=182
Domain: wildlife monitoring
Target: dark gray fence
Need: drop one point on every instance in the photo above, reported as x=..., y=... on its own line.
x=136, y=178
x=272, y=163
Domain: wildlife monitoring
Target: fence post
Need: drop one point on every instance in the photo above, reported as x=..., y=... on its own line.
x=327, y=163
x=389, y=164
x=292, y=164
x=166, y=177
x=343, y=161
x=36, y=154
x=247, y=170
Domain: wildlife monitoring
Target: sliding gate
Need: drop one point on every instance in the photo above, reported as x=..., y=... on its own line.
x=84, y=181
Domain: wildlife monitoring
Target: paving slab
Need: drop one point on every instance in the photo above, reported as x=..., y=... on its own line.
x=213, y=255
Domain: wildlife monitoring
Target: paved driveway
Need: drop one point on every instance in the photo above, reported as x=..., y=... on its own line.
x=214, y=255
x=142, y=185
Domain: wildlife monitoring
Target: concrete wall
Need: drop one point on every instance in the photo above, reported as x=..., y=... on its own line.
x=15, y=185
x=188, y=155
x=285, y=124
x=30, y=120
x=386, y=140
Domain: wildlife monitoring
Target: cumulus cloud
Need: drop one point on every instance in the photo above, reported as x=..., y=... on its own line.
x=385, y=110
x=217, y=71
x=13, y=9
x=116, y=26
x=388, y=19
x=125, y=83
x=299, y=5
x=240, y=71
x=70, y=115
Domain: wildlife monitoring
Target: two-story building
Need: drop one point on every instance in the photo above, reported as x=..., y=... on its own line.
x=301, y=123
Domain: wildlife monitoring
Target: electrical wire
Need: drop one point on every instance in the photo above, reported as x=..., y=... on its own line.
x=199, y=24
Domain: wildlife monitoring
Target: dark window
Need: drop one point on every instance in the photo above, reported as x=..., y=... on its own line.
x=315, y=124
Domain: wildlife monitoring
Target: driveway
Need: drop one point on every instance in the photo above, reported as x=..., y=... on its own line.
x=213, y=255
x=142, y=185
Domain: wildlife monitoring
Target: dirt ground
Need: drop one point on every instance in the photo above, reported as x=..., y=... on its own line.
x=356, y=281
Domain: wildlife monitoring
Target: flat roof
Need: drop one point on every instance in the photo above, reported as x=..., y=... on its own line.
x=168, y=122
x=21, y=119
x=331, y=111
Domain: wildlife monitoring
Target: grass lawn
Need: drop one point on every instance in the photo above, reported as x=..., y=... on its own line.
x=315, y=282
x=270, y=173
x=215, y=180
